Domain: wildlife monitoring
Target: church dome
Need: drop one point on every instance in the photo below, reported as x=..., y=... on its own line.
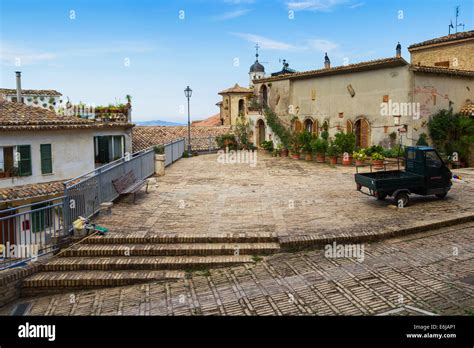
x=257, y=67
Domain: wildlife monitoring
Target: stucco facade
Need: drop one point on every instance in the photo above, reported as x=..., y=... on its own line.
x=72, y=152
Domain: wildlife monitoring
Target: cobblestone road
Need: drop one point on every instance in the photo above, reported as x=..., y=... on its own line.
x=432, y=272
x=278, y=195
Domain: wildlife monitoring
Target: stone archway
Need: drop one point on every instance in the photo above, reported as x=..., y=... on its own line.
x=260, y=132
x=362, y=132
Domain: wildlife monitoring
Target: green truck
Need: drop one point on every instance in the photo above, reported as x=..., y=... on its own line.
x=425, y=174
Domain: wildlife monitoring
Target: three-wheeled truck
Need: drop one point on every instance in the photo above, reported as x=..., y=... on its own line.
x=425, y=174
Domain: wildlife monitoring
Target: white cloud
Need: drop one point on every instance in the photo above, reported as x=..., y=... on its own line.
x=231, y=15
x=359, y=4
x=315, y=5
x=322, y=45
x=265, y=43
x=12, y=55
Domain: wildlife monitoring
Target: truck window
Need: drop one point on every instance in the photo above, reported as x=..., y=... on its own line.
x=432, y=159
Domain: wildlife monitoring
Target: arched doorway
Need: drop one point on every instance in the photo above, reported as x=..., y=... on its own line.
x=308, y=125
x=264, y=93
x=241, y=107
x=362, y=132
x=260, y=132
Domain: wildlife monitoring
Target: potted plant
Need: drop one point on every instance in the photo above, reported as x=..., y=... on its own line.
x=267, y=145
x=377, y=160
x=359, y=157
x=346, y=144
x=295, y=146
x=332, y=152
x=305, y=140
x=320, y=147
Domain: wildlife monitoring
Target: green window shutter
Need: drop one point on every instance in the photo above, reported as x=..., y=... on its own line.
x=46, y=159
x=24, y=163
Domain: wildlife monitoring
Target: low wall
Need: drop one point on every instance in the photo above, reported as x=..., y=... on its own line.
x=11, y=280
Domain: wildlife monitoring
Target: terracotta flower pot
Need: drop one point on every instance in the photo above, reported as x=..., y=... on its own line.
x=284, y=153
x=295, y=156
x=320, y=158
x=347, y=161
x=333, y=160
x=359, y=162
x=378, y=164
x=308, y=157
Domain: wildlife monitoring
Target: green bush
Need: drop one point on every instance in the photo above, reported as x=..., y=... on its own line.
x=294, y=143
x=227, y=140
x=319, y=146
x=159, y=149
x=345, y=142
x=305, y=140
x=333, y=150
x=422, y=140
x=267, y=145
x=374, y=149
x=394, y=152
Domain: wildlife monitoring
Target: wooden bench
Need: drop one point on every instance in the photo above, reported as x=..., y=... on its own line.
x=128, y=183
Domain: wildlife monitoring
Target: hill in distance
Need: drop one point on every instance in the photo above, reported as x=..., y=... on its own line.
x=157, y=123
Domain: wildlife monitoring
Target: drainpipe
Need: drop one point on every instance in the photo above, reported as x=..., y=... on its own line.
x=18, y=86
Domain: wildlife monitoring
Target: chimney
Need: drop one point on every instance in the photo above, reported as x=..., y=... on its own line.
x=327, y=62
x=18, y=86
x=399, y=51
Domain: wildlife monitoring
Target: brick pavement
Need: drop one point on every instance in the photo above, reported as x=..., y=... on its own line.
x=279, y=196
x=431, y=272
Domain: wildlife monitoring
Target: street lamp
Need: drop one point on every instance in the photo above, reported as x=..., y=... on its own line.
x=188, y=92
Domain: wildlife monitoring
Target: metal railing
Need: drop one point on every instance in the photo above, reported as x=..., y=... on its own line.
x=174, y=151
x=30, y=231
x=33, y=230
x=84, y=194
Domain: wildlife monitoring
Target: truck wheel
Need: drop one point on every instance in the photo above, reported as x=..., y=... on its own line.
x=402, y=199
x=381, y=196
x=441, y=195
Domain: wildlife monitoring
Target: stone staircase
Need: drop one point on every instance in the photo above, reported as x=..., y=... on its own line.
x=118, y=259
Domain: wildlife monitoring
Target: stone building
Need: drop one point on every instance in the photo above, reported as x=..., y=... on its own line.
x=454, y=51
x=373, y=99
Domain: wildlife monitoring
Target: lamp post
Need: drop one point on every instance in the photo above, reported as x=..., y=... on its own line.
x=188, y=93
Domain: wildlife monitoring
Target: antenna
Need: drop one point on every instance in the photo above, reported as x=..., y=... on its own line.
x=457, y=15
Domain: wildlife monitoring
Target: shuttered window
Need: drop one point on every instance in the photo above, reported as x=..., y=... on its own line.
x=24, y=160
x=46, y=159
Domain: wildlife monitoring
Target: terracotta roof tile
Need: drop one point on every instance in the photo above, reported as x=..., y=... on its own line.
x=17, y=116
x=44, y=190
x=39, y=92
x=441, y=70
x=362, y=66
x=236, y=89
x=144, y=137
x=210, y=121
x=453, y=37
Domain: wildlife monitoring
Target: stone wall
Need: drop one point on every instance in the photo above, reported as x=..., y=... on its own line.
x=458, y=54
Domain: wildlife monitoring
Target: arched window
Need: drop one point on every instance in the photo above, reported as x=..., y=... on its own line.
x=349, y=127
x=264, y=95
x=308, y=125
x=241, y=107
x=260, y=132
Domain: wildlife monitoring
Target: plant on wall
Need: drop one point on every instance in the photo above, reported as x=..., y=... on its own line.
x=243, y=132
x=277, y=127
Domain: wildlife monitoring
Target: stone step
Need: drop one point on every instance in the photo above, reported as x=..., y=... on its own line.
x=54, y=281
x=182, y=249
x=149, y=237
x=142, y=263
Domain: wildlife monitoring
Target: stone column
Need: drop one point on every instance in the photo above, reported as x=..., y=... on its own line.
x=159, y=165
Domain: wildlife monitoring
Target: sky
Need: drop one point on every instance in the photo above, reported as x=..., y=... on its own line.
x=97, y=52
